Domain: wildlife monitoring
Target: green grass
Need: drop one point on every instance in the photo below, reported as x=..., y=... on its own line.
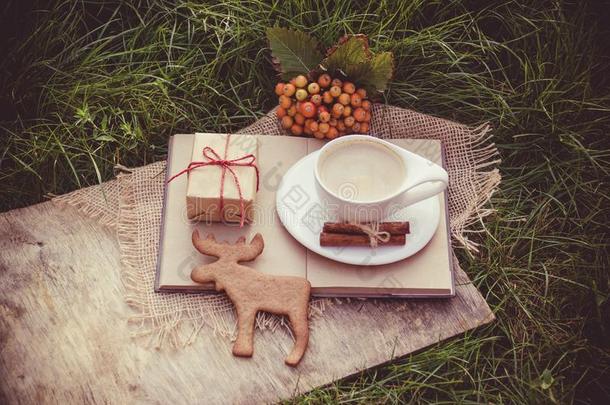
x=88, y=84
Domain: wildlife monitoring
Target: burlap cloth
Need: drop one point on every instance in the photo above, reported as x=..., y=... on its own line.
x=132, y=204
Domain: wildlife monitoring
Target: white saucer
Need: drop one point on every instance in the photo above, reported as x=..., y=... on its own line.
x=302, y=212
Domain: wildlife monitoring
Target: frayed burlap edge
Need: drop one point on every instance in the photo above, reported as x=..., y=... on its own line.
x=82, y=199
x=486, y=183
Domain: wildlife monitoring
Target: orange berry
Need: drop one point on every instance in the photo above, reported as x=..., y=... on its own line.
x=289, y=89
x=281, y=112
x=364, y=127
x=279, y=89
x=313, y=125
x=307, y=131
x=308, y=109
x=324, y=127
x=285, y=102
x=347, y=111
x=292, y=111
x=299, y=119
x=300, y=81
x=341, y=125
x=349, y=88
x=359, y=114
x=318, y=135
x=296, y=130
x=322, y=108
x=293, y=82
x=324, y=116
x=356, y=127
x=367, y=117
x=316, y=99
x=335, y=91
x=337, y=82
x=287, y=122
x=332, y=133
x=366, y=104
x=349, y=121
x=356, y=100
x=338, y=110
x=361, y=92
x=327, y=97
x=313, y=88
x=344, y=98
x=332, y=122
x=324, y=80
x=301, y=94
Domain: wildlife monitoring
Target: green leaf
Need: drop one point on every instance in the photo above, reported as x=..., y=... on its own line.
x=105, y=138
x=350, y=57
x=381, y=71
x=359, y=73
x=353, y=58
x=546, y=379
x=293, y=52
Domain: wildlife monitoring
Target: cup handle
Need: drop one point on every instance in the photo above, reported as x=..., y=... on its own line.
x=429, y=185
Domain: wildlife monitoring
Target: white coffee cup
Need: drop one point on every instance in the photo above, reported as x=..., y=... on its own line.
x=366, y=179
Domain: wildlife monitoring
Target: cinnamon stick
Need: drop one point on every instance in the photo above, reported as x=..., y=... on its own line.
x=393, y=228
x=342, y=239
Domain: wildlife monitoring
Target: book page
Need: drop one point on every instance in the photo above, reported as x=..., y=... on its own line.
x=282, y=254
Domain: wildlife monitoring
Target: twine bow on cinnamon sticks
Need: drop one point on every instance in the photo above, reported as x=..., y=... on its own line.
x=372, y=234
x=225, y=164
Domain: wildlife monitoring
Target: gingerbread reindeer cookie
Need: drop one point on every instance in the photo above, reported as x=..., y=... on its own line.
x=252, y=291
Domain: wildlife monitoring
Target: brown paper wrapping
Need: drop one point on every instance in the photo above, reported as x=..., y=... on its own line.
x=203, y=188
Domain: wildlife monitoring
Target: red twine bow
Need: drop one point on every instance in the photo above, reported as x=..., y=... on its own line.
x=215, y=160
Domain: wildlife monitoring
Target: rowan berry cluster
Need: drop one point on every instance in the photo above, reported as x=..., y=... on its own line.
x=325, y=108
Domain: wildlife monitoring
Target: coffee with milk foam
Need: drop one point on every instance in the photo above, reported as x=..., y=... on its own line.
x=362, y=171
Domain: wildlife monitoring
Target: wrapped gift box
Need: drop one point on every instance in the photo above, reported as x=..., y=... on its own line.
x=203, y=199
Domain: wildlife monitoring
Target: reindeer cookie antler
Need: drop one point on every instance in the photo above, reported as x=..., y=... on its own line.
x=252, y=291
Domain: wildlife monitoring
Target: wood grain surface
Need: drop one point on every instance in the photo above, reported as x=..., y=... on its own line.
x=64, y=336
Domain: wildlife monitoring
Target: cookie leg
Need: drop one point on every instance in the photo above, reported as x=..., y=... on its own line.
x=300, y=329
x=243, y=346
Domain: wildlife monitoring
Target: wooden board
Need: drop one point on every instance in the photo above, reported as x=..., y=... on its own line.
x=64, y=337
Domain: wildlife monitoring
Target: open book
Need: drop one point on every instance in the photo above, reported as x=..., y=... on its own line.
x=426, y=274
